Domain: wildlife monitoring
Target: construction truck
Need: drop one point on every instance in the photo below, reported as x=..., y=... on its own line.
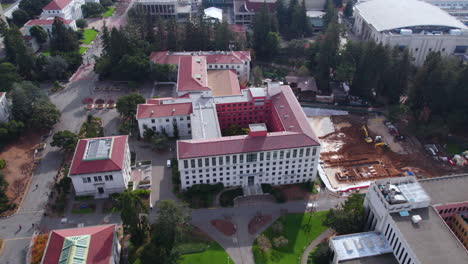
x=366, y=134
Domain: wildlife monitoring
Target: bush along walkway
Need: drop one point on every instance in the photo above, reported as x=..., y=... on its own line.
x=327, y=233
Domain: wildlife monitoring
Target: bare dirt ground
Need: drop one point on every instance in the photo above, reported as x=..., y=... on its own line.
x=293, y=192
x=258, y=222
x=19, y=166
x=344, y=151
x=224, y=226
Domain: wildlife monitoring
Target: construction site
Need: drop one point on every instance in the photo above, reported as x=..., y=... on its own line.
x=359, y=148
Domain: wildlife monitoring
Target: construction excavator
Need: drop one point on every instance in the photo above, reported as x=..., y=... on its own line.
x=366, y=134
x=382, y=144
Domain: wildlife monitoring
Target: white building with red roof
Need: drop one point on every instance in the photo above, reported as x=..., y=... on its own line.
x=46, y=23
x=4, y=108
x=238, y=61
x=86, y=245
x=280, y=148
x=101, y=166
x=66, y=9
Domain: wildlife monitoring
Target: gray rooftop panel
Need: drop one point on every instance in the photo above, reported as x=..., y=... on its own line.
x=449, y=189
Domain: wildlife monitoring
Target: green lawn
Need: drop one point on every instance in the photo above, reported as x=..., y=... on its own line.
x=214, y=254
x=6, y=5
x=109, y=12
x=82, y=50
x=300, y=230
x=88, y=36
x=46, y=53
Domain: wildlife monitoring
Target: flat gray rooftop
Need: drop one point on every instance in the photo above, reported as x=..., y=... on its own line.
x=430, y=239
x=448, y=189
x=379, y=259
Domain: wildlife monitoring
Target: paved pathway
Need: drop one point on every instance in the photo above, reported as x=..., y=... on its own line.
x=313, y=244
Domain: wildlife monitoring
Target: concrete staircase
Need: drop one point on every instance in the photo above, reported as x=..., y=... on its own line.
x=250, y=190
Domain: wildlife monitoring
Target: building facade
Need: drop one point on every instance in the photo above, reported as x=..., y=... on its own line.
x=101, y=166
x=244, y=10
x=93, y=244
x=66, y=9
x=46, y=23
x=415, y=25
x=4, y=108
x=180, y=10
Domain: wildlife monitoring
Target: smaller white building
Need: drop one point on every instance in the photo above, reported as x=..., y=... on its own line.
x=101, y=166
x=47, y=23
x=66, y=9
x=214, y=14
x=4, y=108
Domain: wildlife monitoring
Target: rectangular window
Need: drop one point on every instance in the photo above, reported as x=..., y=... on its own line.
x=251, y=157
x=281, y=154
x=192, y=163
x=241, y=158
x=307, y=152
x=220, y=160
x=268, y=155
x=288, y=154
x=185, y=164
x=261, y=156
x=294, y=153
x=207, y=162
x=84, y=180
x=152, y=121
x=314, y=151
x=228, y=159
x=213, y=161
x=200, y=163
x=301, y=153
x=275, y=155
x=234, y=159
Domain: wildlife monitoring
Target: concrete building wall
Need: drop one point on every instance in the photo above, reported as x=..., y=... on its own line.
x=460, y=228
x=276, y=167
x=4, y=109
x=159, y=124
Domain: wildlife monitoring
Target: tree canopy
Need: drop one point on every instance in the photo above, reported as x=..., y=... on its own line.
x=64, y=139
x=8, y=76
x=39, y=34
x=127, y=105
x=349, y=217
x=63, y=39
x=131, y=210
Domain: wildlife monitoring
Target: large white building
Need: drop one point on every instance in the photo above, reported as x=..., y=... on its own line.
x=101, y=166
x=4, y=108
x=180, y=10
x=418, y=26
x=66, y=9
x=409, y=219
x=47, y=24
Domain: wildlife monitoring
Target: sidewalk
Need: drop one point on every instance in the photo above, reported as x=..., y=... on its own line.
x=313, y=244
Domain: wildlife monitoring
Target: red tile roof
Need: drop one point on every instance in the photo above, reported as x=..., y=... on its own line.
x=254, y=6
x=114, y=163
x=227, y=57
x=298, y=133
x=150, y=110
x=192, y=74
x=48, y=21
x=238, y=28
x=100, y=246
x=57, y=4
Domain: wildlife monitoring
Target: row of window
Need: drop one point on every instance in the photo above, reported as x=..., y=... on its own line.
x=168, y=120
x=286, y=172
x=402, y=258
x=452, y=210
x=211, y=66
x=242, y=177
x=279, y=181
x=250, y=157
x=97, y=178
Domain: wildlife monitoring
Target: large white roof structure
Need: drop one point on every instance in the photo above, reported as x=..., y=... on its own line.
x=394, y=14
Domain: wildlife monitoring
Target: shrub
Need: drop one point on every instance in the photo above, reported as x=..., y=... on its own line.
x=2, y=164
x=263, y=243
x=280, y=242
x=81, y=23
x=321, y=253
x=39, y=246
x=277, y=227
x=142, y=193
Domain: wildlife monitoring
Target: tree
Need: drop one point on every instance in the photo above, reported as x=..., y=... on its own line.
x=127, y=105
x=223, y=36
x=106, y=3
x=160, y=142
x=46, y=115
x=280, y=242
x=8, y=76
x=173, y=41
x=92, y=9
x=322, y=253
x=17, y=53
x=131, y=210
x=39, y=34
x=348, y=11
x=56, y=67
x=20, y=17
x=63, y=39
x=65, y=139
x=327, y=56
x=33, y=7
x=263, y=243
x=81, y=23
x=175, y=130
x=170, y=221
x=257, y=76
x=266, y=40
x=4, y=201
x=24, y=95
x=349, y=217
x=131, y=68
x=10, y=130
x=160, y=41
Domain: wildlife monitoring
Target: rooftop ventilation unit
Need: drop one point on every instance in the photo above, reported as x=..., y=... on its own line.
x=198, y=76
x=416, y=219
x=286, y=116
x=152, y=111
x=173, y=110
x=347, y=246
x=198, y=60
x=281, y=106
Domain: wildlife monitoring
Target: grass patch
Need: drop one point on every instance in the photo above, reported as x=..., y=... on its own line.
x=6, y=5
x=45, y=53
x=88, y=36
x=109, y=12
x=214, y=253
x=299, y=230
x=84, y=198
x=227, y=198
x=82, y=50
